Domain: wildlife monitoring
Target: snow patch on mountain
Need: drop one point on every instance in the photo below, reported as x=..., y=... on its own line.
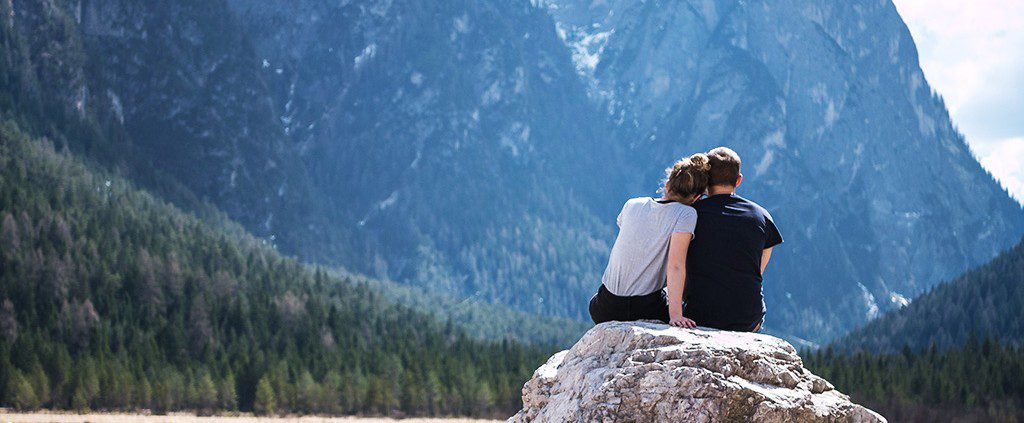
x=365, y=56
x=869, y=302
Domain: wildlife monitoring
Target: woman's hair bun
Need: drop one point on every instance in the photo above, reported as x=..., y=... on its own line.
x=688, y=176
x=701, y=162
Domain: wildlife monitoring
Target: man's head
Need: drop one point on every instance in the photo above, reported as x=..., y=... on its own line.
x=725, y=168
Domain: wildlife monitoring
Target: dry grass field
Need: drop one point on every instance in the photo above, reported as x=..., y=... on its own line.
x=13, y=417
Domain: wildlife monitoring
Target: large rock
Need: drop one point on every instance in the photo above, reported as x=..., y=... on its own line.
x=649, y=372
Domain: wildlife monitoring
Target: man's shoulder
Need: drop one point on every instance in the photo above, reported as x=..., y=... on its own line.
x=704, y=204
x=756, y=207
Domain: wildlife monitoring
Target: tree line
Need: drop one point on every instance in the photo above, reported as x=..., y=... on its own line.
x=111, y=299
x=982, y=380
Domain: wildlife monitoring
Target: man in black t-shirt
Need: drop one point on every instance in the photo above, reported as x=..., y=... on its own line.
x=731, y=247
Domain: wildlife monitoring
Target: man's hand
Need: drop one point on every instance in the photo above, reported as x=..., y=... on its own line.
x=682, y=322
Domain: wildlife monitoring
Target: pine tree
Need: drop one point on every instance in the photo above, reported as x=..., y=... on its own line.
x=80, y=400
x=205, y=393
x=21, y=393
x=307, y=393
x=226, y=394
x=265, y=401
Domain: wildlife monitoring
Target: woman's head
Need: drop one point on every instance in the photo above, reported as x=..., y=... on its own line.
x=687, y=179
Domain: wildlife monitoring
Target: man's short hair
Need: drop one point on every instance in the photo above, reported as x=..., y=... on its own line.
x=725, y=167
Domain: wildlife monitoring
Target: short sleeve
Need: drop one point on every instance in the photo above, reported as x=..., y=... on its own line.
x=686, y=222
x=618, y=220
x=772, y=235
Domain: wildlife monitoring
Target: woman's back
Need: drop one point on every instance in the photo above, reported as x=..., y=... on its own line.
x=636, y=265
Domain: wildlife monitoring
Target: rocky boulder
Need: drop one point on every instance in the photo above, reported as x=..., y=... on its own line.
x=650, y=372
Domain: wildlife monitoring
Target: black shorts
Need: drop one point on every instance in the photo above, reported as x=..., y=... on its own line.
x=702, y=319
x=606, y=307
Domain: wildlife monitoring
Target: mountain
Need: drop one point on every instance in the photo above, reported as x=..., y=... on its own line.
x=483, y=148
x=448, y=136
x=985, y=302
x=876, y=193
x=308, y=149
x=160, y=93
x=112, y=299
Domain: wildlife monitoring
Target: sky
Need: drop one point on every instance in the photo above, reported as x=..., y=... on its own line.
x=972, y=53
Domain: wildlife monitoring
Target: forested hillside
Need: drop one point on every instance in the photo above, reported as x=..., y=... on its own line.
x=112, y=299
x=980, y=381
x=985, y=302
x=927, y=361
x=480, y=318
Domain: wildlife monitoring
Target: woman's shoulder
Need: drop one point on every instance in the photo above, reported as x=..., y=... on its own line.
x=635, y=201
x=684, y=210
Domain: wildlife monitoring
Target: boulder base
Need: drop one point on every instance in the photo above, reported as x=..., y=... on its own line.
x=651, y=372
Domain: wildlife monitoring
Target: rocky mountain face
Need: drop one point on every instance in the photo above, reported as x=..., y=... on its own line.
x=167, y=92
x=454, y=140
x=635, y=371
x=877, y=194
x=182, y=80
x=484, y=147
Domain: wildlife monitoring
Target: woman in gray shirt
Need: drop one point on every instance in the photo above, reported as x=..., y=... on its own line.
x=650, y=251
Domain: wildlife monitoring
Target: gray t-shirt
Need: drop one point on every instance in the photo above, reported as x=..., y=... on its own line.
x=636, y=265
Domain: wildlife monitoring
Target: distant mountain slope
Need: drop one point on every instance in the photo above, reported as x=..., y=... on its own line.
x=111, y=299
x=454, y=139
x=877, y=194
x=986, y=302
x=174, y=96
x=163, y=91
x=428, y=143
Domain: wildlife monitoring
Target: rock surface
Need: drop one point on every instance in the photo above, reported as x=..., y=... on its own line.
x=650, y=372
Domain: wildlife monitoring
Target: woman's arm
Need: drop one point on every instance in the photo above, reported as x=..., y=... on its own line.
x=676, y=272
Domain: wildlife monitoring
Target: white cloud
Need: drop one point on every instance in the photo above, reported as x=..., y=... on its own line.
x=1004, y=159
x=973, y=54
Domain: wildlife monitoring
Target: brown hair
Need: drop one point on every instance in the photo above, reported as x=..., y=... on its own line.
x=725, y=167
x=688, y=176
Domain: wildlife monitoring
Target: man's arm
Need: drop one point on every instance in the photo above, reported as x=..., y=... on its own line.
x=766, y=255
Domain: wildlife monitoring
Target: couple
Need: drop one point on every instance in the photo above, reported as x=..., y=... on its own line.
x=710, y=252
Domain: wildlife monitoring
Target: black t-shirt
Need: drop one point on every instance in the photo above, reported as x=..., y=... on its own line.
x=723, y=264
